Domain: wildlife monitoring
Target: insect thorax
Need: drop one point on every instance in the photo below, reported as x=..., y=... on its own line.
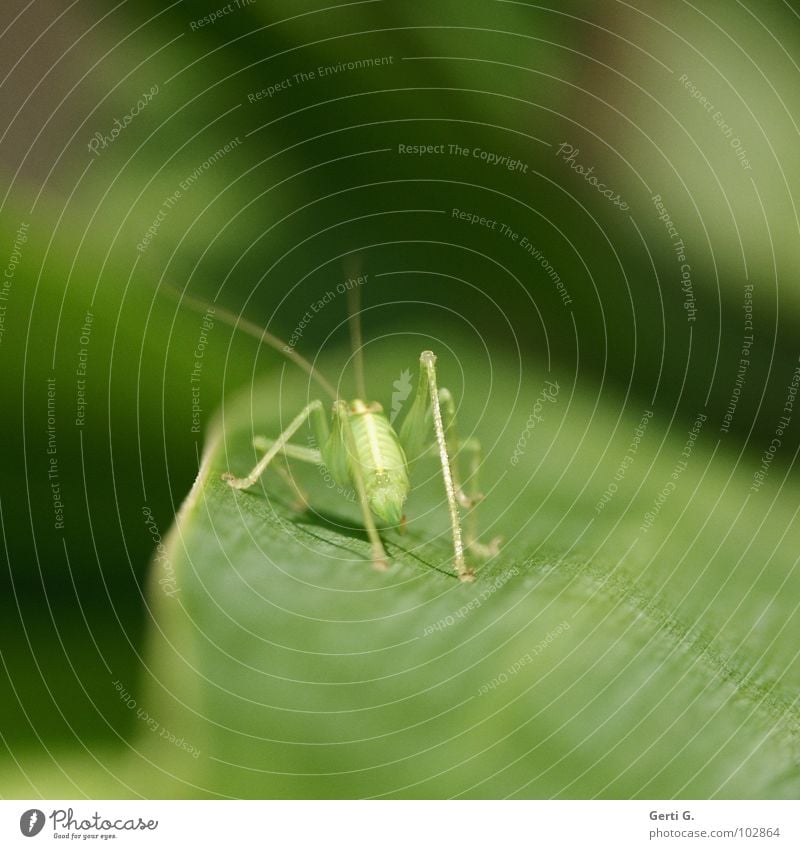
x=382, y=460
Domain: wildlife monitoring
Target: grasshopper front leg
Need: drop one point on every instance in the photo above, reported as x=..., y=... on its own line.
x=313, y=411
x=412, y=437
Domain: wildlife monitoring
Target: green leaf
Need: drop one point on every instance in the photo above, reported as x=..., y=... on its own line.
x=590, y=659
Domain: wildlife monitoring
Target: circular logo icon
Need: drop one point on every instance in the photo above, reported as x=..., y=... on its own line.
x=31, y=822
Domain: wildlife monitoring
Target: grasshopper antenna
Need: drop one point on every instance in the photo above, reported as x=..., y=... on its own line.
x=352, y=269
x=251, y=329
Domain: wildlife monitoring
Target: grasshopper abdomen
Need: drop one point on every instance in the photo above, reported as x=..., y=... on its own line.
x=381, y=459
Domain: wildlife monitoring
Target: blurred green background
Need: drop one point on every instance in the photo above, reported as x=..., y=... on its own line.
x=272, y=147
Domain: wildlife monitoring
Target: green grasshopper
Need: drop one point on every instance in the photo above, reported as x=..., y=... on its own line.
x=360, y=448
